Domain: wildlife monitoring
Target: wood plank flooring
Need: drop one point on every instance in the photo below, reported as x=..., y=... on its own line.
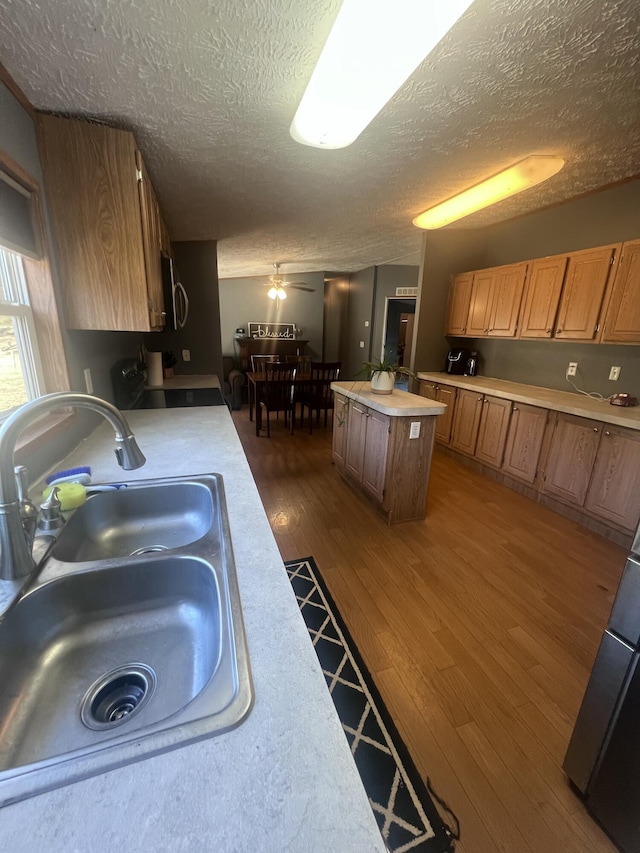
x=479, y=624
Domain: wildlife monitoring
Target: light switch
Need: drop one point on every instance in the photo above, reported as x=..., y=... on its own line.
x=361, y=344
x=414, y=429
x=186, y=355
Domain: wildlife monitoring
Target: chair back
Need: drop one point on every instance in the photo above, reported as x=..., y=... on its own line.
x=279, y=386
x=258, y=362
x=303, y=362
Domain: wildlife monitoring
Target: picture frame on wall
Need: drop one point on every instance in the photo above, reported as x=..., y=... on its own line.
x=285, y=331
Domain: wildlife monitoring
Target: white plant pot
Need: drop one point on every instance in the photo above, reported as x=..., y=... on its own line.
x=382, y=382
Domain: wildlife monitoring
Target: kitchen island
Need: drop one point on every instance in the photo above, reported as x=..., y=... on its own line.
x=284, y=780
x=382, y=445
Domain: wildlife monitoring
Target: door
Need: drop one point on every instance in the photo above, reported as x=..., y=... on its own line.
x=583, y=293
x=614, y=490
x=340, y=428
x=375, y=454
x=466, y=422
x=622, y=321
x=524, y=441
x=542, y=297
x=492, y=433
x=571, y=457
x=459, y=300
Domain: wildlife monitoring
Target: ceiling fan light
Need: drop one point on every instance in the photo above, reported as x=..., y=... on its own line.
x=351, y=82
x=282, y=293
x=273, y=292
x=527, y=173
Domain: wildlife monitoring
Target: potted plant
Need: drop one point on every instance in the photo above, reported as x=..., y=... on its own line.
x=382, y=373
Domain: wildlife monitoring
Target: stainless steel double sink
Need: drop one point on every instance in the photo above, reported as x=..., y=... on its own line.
x=128, y=642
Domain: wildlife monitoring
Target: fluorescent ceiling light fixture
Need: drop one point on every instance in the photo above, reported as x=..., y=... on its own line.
x=373, y=47
x=527, y=173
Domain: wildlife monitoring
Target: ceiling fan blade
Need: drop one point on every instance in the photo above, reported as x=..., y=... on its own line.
x=300, y=287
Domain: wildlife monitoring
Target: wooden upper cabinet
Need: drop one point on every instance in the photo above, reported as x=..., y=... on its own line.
x=583, y=293
x=524, y=441
x=622, y=319
x=542, y=297
x=482, y=291
x=508, y=287
x=571, y=457
x=614, y=490
x=466, y=422
x=459, y=300
x=492, y=434
x=99, y=226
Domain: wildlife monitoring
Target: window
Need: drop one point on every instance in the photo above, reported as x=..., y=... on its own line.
x=20, y=369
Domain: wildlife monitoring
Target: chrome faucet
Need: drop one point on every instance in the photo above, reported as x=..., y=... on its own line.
x=16, y=560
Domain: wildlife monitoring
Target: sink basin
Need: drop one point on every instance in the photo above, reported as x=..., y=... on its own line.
x=108, y=659
x=136, y=520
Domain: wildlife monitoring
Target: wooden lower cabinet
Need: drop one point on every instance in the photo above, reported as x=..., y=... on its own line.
x=524, y=441
x=443, y=394
x=466, y=422
x=375, y=453
x=492, y=432
x=614, y=490
x=571, y=458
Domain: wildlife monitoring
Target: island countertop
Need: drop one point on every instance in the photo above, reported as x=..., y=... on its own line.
x=284, y=780
x=397, y=404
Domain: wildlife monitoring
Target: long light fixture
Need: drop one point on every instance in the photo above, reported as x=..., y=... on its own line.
x=373, y=47
x=527, y=173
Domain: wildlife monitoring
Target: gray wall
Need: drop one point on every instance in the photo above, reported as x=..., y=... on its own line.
x=360, y=311
x=336, y=317
x=389, y=277
x=197, y=264
x=245, y=300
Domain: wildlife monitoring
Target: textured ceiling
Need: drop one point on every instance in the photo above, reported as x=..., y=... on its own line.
x=210, y=90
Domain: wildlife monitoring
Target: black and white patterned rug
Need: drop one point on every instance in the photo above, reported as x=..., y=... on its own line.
x=404, y=810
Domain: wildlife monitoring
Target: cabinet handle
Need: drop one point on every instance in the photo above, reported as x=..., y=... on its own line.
x=515, y=409
x=480, y=399
x=558, y=331
x=464, y=330
x=606, y=432
x=486, y=330
x=595, y=429
x=548, y=331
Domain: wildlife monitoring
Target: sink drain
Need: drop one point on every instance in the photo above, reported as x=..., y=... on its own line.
x=148, y=549
x=117, y=696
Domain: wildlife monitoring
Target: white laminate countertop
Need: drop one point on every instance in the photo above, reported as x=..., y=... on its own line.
x=547, y=398
x=188, y=381
x=284, y=780
x=396, y=404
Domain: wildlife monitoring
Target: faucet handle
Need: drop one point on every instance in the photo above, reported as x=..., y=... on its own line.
x=28, y=511
x=52, y=518
x=22, y=482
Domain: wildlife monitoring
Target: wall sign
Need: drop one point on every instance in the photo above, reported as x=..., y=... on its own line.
x=272, y=330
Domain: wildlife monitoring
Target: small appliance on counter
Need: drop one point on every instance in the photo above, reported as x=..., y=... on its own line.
x=472, y=365
x=457, y=360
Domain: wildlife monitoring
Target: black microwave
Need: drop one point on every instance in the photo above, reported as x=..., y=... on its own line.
x=176, y=301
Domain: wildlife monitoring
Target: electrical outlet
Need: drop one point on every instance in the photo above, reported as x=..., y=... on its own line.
x=361, y=344
x=572, y=369
x=614, y=373
x=88, y=381
x=414, y=429
x=186, y=355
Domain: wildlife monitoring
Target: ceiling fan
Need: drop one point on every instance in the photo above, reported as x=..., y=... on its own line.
x=277, y=285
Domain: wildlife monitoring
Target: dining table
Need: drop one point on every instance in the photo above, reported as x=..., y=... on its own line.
x=256, y=381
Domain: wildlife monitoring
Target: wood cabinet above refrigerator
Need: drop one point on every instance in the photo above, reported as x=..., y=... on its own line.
x=107, y=226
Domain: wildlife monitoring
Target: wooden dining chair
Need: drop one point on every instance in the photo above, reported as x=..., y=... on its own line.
x=259, y=362
x=278, y=395
x=318, y=396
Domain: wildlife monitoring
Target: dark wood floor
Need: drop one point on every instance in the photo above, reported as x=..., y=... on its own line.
x=480, y=626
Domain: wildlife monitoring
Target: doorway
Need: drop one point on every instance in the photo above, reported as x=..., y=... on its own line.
x=397, y=334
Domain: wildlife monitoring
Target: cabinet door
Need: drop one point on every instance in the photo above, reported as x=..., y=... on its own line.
x=506, y=300
x=622, y=321
x=90, y=174
x=427, y=389
x=466, y=422
x=614, y=491
x=375, y=454
x=442, y=431
x=571, y=457
x=492, y=433
x=542, y=297
x=482, y=292
x=340, y=428
x=583, y=293
x=152, y=242
x=459, y=300
x=524, y=441
x=356, y=435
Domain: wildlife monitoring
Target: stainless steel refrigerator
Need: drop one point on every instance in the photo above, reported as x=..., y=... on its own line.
x=603, y=758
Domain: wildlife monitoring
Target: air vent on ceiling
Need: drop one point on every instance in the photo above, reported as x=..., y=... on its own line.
x=406, y=291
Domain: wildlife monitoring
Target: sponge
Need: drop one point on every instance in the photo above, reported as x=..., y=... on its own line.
x=70, y=495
